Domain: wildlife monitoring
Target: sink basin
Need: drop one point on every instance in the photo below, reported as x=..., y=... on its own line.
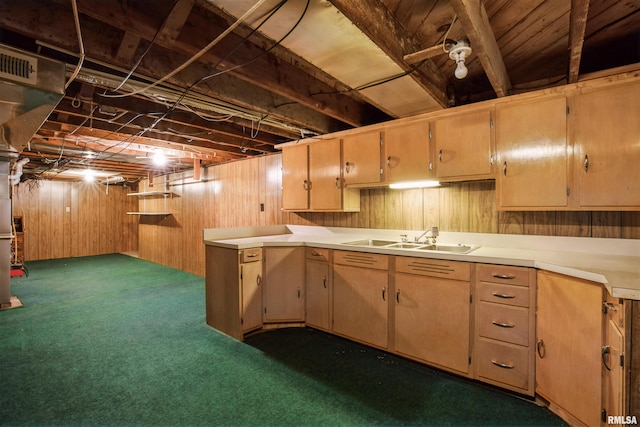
x=405, y=245
x=370, y=242
x=458, y=249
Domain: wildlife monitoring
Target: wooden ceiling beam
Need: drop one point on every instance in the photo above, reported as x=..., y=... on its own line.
x=376, y=21
x=475, y=22
x=248, y=62
x=102, y=42
x=577, y=28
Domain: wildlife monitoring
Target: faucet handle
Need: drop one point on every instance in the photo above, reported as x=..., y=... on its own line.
x=403, y=237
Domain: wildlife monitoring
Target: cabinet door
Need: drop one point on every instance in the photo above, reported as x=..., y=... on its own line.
x=251, y=280
x=362, y=154
x=569, y=341
x=463, y=147
x=607, y=141
x=531, y=146
x=432, y=320
x=614, y=375
x=407, y=152
x=317, y=290
x=295, y=177
x=360, y=307
x=284, y=284
x=324, y=175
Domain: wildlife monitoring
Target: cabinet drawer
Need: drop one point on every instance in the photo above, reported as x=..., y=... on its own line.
x=434, y=267
x=361, y=259
x=503, y=274
x=317, y=254
x=503, y=322
x=503, y=294
x=250, y=255
x=503, y=362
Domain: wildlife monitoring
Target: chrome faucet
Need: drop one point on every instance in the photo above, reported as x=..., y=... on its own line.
x=431, y=234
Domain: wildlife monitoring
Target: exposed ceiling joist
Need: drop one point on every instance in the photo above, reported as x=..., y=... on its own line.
x=578, y=26
x=377, y=22
x=475, y=21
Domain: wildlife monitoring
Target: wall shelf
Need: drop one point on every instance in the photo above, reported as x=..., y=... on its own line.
x=150, y=213
x=150, y=194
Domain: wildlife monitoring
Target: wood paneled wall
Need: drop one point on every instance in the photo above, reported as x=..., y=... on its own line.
x=248, y=193
x=70, y=219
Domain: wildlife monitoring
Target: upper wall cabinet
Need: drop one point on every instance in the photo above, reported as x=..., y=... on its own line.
x=531, y=145
x=362, y=153
x=407, y=156
x=295, y=177
x=605, y=128
x=312, y=179
x=463, y=146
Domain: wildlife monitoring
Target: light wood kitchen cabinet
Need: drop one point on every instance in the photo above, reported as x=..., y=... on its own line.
x=362, y=159
x=606, y=136
x=312, y=179
x=614, y=360
x=360, y=297
x=283, y=284
x=233, y=291
x=531, y=147
x=505, y=327
x=463, y=146
x=407, y=152
x=295, y=177
x=432, y=311
x=569, y=346
x=318, y=288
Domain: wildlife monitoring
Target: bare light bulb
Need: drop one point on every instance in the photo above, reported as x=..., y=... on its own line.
x=461, y=70
x=159, y=159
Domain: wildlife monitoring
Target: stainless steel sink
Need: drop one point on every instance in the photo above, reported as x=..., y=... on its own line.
x=458, y=249
x=370, y=242
x=405, y=245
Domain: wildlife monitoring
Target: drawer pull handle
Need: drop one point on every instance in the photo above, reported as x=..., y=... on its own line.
x=503, y=325
x=252, y=255
x=324, y=282
x=398, y=296
x=497, y=295
x=314, y=253
x=606, y=350
x=503, y=276
x=384, y=290
x=502, y=365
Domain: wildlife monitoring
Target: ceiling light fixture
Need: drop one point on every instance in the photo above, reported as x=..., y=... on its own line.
x=159, y=159
x=89, y=175
x=458, y=53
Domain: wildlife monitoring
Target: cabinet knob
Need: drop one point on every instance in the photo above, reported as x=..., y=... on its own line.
x=347, y=167
x=440, y=156
x=338, y=182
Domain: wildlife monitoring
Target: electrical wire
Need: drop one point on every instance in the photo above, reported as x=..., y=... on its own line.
x=151, y=43
x=197, y=55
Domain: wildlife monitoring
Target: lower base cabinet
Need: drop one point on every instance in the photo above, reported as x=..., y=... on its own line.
x=360, y=297
x=569, y=346
x=318, y=285
x=283, y=289
x=431, y=313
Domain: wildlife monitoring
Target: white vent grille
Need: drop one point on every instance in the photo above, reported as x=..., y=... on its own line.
x=18, y=68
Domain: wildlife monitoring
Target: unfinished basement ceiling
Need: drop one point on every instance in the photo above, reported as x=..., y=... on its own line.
x=343, y=65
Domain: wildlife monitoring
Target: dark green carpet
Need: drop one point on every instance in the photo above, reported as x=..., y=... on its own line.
x=113, y=340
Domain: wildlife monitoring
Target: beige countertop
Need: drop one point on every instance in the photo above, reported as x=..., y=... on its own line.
x=613, y=262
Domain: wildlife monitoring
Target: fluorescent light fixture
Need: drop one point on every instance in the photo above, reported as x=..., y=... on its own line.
x=414, y=184
x=112, y=180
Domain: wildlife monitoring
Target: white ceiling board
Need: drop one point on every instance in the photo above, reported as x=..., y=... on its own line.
x=332, y=43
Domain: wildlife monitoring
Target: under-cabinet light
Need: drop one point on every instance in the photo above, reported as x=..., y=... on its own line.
x=414, y=184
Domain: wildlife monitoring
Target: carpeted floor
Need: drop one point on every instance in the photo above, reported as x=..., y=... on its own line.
x=114, y=340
